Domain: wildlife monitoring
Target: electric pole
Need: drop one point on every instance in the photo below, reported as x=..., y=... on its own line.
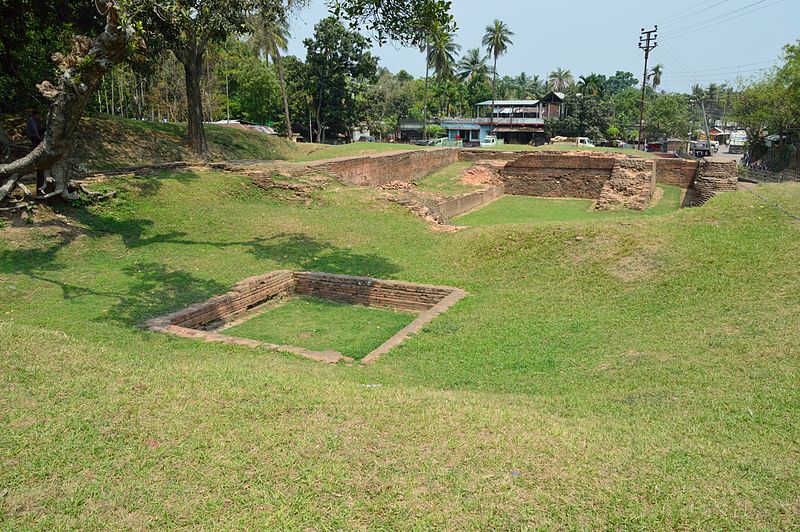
x=647, y=42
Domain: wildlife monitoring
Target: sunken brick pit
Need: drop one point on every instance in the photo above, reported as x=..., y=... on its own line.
x=205, y=320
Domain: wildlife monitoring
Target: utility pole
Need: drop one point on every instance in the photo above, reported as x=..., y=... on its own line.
x=708, y=133
x=647, y=42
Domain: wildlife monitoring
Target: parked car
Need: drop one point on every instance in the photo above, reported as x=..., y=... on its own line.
x=490, y=140
x=700, y=148
x=366, y=138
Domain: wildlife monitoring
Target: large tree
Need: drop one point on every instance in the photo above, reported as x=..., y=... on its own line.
x=337, y=61
x=496, y=39
x=441, y=57
x=269, y=35
x=188, y=27
x=81, y=72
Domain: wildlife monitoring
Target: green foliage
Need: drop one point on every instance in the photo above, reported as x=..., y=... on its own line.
x=407, y=21
x=257, y=96
x=667, y=116
x=435, y=131
x=338, y=65
x=586, y=116
x=620, y=82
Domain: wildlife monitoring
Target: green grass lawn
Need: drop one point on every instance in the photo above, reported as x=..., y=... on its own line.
x=445, y=180
x=525, y=209
x=565, y=147
x=354, y=149
x=643, y=376
x=319, y=325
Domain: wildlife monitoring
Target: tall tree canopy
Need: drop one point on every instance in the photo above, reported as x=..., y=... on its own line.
x=336, y=60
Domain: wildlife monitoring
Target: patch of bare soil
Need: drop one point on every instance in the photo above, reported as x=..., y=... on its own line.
x=480, y=174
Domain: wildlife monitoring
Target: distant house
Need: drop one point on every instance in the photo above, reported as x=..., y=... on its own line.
x=514, y=121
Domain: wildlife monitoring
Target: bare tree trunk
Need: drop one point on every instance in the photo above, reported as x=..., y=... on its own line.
x=79, y=80
x=192, y=61
x=279, y=65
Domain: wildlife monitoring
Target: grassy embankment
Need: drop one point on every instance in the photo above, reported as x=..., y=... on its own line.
x=644, y=375
x=569, y=147
x=524, y=209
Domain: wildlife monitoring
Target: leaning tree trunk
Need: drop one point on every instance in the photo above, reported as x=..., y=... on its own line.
x=494, y=96
x=282, y=78
x=192, y=60
x=82, y=72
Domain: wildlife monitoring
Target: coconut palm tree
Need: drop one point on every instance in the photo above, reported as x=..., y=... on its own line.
x=441, y=56
x=559, y=80
x=497, y=39
x=269, y=36
x=538, y=87
x=472, y=67
x=592, y=85
x=656, y=73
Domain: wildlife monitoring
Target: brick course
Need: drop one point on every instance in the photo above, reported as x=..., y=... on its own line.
x=203, y=319
x=377, y=170
x=712, y=178
x=678, y=172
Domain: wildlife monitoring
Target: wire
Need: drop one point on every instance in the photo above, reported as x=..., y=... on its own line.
x=677, y=16
x=680, y=32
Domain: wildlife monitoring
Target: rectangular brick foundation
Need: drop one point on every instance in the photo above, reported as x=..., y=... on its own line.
x=202, y=319
x=613, y=181
x=377, y=170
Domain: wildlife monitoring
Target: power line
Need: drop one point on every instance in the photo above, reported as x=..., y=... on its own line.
x=718, y=74
x=695, y=23
x=678, y=16
x=680, y=32
x=735, y=67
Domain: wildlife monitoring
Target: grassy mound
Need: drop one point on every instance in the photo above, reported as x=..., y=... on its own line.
x=644, y=375
x=114, y=142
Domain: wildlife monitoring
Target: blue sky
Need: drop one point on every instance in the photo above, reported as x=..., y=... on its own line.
x=699, y=41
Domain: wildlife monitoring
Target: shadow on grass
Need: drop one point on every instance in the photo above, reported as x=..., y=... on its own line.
x=153, y=289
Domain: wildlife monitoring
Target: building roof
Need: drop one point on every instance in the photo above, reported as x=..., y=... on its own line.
x=518, y=103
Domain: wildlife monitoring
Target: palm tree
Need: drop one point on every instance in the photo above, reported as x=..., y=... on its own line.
x=269, y=36
x=426, y=49
x=592, y=85
x=656, y=73
x=559, y=80
x=441, y=56
x=538, y=87
x=497, y=39
x=472, y=68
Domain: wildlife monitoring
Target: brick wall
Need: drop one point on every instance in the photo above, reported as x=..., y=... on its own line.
x=678, y=172
x=487, y=155
x=712, y=178
x=553, y=174
x=772, y=177
x=370, y=292
x=445, y=210
x=234, y=304
x=377, y=170
x=630, y=186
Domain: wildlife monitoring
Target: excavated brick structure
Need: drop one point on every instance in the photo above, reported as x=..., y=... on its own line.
x=614, y=181
x=712, y=178
x=380, y=169
x=630, y=186
x=557, y=175
x=206, y=320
